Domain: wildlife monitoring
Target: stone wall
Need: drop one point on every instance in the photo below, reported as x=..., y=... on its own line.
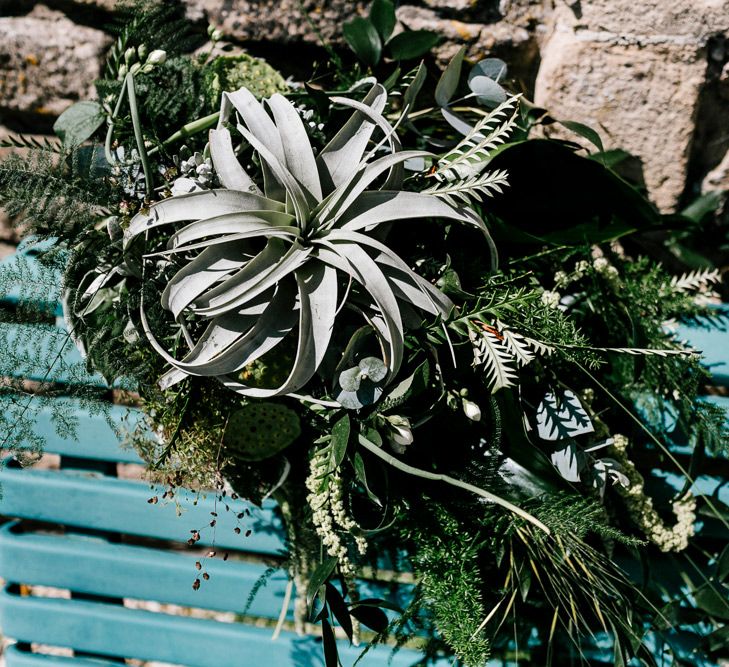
x=652, y=76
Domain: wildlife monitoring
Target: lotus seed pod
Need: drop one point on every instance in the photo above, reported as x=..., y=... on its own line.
x=260, y=430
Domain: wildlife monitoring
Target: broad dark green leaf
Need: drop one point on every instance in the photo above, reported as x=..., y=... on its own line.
x=318, y=578
x=339, y=609
x=556, y=194
x=373, y=617
x=362, y=37
x=382, y=16
x=412, y=44
x=331, y=656
x=77, y=123
x=448, y=82
x=413, y=385
x=379, y=602
x=584, y=131
x=340, y=438
x=718, y=640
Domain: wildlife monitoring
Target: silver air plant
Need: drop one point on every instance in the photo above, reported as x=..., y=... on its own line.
x=316, y=216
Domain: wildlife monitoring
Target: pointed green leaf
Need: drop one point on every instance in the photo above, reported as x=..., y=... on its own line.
x=363, y=39
x=318, y=577
x=382, y=16
x=412, y=44
x=340, y=439
x=448, y=82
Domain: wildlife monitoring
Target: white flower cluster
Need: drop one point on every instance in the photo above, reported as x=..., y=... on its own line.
x=640, y=506
x=329, y=513
x=551, y=299
x=600, y=265
x=196, y=175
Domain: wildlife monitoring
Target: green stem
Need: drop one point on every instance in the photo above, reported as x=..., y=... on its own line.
x=110, y=130
x=138, y=136
x=418, y=472
x=189, y=130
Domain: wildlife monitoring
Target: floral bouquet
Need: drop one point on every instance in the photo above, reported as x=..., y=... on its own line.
x=438, y=343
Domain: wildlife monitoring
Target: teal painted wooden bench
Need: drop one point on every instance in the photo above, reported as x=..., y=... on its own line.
x=82, y=530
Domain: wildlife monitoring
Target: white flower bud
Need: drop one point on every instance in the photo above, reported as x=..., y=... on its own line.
x=134, y=68
x=473, y=412
x=130, y=55
x=400, y=434
x=157, y=57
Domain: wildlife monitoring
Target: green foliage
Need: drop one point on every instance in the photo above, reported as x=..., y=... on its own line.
x=446, y=560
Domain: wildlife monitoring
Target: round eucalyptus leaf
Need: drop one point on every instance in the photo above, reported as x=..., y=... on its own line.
x=492, y=68
x=373, y=368
x=350, y=379
x=488, y=92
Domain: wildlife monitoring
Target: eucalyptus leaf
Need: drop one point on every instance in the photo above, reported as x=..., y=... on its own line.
x=448, y=82
x=79, y=122
x=487, y=91
x=491, y=68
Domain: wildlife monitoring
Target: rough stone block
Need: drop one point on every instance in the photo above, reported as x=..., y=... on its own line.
x=276, y=20
x=634, y=72
x=47, y=62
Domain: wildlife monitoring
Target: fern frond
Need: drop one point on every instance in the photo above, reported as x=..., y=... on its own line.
x=472, y=154
x=493, y=355
x=476, y=187
x=695, y=280
x=517, y=345
x=32, y=143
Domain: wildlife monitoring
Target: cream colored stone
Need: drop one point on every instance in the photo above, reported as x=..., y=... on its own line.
x=634, y=72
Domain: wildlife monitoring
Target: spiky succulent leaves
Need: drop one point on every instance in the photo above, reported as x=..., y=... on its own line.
x=315, y=216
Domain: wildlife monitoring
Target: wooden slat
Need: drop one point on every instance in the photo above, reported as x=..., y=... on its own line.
x=112, y=630
x=94, y=566
x=95, y=438
x=87, y=500
x=711, y=336
x=15, y=657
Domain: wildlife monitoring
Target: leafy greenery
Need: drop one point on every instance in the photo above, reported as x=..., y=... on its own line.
x=493, y=396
